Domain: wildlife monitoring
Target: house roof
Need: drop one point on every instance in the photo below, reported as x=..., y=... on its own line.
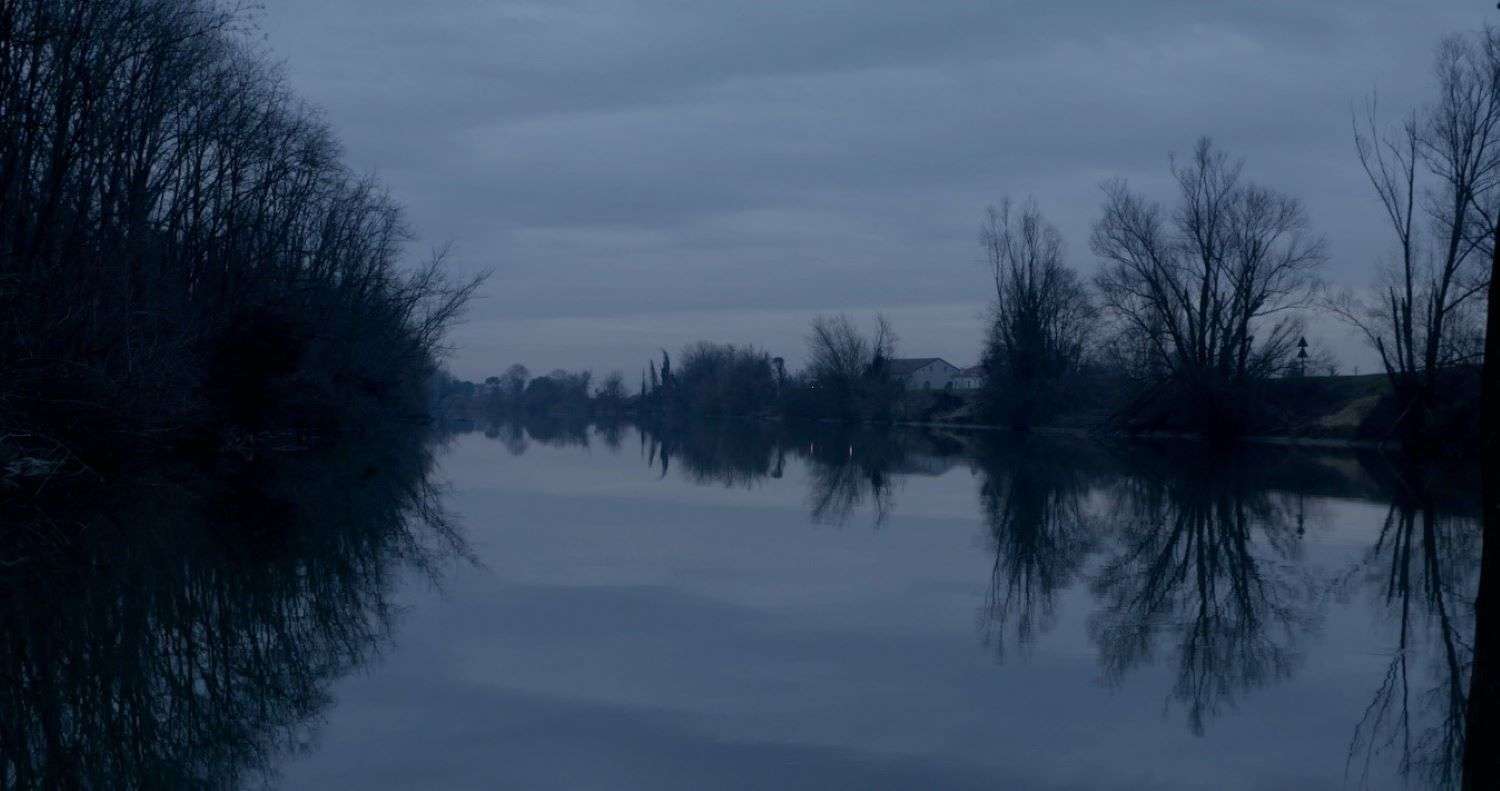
x=904, y=366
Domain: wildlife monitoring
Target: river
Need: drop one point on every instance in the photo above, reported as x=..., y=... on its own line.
x=750, y=606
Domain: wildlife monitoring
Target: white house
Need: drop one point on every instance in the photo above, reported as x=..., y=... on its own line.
x=971, y=378
x=924, y=373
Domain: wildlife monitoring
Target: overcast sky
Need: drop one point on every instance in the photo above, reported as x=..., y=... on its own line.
x=644, y=174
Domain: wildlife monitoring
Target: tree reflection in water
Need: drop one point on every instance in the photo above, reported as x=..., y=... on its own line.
x=1422, y=569
x=848, y=469
x=735, y=457
x=1193, y=559
x=181, y=630
x=1031, y=495
x=1204, y=563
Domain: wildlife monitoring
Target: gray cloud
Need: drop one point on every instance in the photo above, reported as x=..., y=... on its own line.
x=691, y=169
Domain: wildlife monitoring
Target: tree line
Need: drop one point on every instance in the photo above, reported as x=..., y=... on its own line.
x=847, y=378
x=1198, y=304
x=182, y=252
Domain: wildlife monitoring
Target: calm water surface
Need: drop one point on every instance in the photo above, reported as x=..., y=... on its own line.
x=719, y=608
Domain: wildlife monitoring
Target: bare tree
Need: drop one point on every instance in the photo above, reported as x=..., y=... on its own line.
x=165, y=203
x=1207, y=293
x=1041, y=319
x=838, y=354
x=850, y=371
x=1434, y=174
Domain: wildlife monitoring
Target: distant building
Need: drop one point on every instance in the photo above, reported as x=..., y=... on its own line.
x=924, y=373
x=971, y=378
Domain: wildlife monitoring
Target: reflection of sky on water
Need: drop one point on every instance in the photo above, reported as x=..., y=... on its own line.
x=626, y=631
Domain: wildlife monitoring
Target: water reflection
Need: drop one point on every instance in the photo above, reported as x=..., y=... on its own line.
x=1422, y=568
x=1211, y=567
x=709, y=456
x=181, y=629
x=512, y=434
x=1031, y=495
x=558, y=431
x=1204, y=566
x=850, y=470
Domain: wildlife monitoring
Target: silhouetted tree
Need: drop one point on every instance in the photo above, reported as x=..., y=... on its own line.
x=1206, y=294
x=1435, y=176
x=722, y=380
x=847, y=372
x=180, y=246
x=559, y=392
x=1041, y=319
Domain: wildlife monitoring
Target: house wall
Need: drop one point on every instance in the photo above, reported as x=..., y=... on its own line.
x=932, y=376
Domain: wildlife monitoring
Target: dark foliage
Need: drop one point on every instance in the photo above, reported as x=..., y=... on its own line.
x=1040, y=322
x=1205, y=294
x=1434, y=175
x=181, y=250
x=718, y=380
x=848, y=376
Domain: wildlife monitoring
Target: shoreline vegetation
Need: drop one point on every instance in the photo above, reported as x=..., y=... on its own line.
x=1326, y=411
x=186, y=265
x=216, y=458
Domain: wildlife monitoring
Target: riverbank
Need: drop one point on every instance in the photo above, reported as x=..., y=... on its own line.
x=1315, y=411
x=1059, y=431
x=1353, y=412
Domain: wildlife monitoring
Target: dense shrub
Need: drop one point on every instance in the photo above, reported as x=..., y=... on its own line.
x=719, y=379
